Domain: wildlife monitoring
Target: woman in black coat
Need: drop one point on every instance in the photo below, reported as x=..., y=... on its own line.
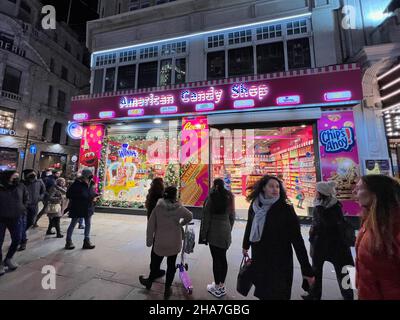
x=326, y=240
x=271, y=231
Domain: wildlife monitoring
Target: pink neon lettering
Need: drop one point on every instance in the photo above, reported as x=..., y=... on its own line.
x=146, y=101
x=210, y=95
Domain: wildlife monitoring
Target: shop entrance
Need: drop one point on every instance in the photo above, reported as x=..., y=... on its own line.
x=52, y=161
x=242, y=156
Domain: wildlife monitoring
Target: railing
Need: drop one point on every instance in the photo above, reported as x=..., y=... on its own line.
x=11, y=96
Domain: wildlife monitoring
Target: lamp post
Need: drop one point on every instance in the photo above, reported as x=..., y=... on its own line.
x=29, y=126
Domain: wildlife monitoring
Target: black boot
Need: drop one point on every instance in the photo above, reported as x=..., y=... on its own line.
x=50, y=233
x=69, y=245
x=167, y=293
x=87, y=244
x=22, y=246
x=145, y=282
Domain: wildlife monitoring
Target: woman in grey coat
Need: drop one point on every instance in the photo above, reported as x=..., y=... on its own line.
x=216, y=226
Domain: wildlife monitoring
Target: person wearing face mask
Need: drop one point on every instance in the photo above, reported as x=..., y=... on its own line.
x=56, y=206
x=272, y=229
x=326, y=240
x=13, y=199
x=82, y=197
x=378, y=241
x=37, y=191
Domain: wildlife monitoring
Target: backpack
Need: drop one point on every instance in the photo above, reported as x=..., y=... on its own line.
x=189, y=240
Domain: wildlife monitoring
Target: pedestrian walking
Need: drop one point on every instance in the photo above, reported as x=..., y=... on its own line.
x=215, y=230
x=326, y=239
x=13, y=198
x=164, y=234
x=82, y=197
x=378, y=242
x=155, y=193
x=37, y=191
x=56, y=206
x=272, y=229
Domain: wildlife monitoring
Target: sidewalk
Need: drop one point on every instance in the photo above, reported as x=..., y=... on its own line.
x=111, y=271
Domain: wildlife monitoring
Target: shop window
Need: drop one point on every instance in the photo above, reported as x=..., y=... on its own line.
x=7, y=117
x=98, y=81
x=165, y=72
x=296, y=27
x=180, y=71
x=269, y=32
x=126, y=77
x=270, y=58
x=110, y=80
x=50, y=96
x=215, y=41
x=64, y=73
x=8, y=159
x=299, y=53
x=12, y=80
x=61, y=101
x=127, y=56
x=150, y=52
x=56, y=136
x=240, y=62
x=239, y=37
x=147, y=77
x=215, y=65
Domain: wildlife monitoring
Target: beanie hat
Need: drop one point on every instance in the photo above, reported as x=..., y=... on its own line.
x=326, y=188
x=86, y=173
x=27, y=172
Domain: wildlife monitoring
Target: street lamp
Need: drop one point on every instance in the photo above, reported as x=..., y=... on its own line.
x=29, y=126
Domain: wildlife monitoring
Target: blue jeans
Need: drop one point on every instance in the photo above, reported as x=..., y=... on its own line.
x=74, y=221
x=14, y=227
x=81, y=221
x=22, y=227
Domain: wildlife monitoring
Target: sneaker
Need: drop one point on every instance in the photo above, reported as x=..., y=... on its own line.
x=81, y=227
x=222, y=291
x=10, y=264
x=214, y=290
x=2, y=269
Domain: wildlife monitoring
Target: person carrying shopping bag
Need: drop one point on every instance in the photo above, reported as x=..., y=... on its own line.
x=56, y=206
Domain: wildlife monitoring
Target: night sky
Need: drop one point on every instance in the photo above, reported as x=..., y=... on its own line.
x=81, y=12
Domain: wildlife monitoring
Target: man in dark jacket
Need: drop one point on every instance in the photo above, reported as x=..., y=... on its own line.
x=49, y=182
x=36, y=190
x=82, y=197
x=13, y=199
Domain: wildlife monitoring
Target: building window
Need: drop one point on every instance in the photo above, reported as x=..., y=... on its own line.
x=50, y=96
x=173, y=48
x=44, y=129
x=67, y=47
x=61, y=100
x=7, y=38
x=126, y=77
x=98, y=81
x=296, y=27
x=12, y=80
x=147, y=76
x=270, y=58
x=127, y=56
x=7, y=117
x=216, y=65
x=269, y=32
x=144, y=3
x=180, y=71
x=239, y=37
x=51, y=64
x=56, y=136
x=110, y=80
x=165, y=72
x=64, y=73
x=216, y=41
x=299, y=53
x=106, y=59
x=150, y=52
x=240, y=62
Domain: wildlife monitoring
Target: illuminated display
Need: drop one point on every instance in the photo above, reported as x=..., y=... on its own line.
x=75, y=130
x=172, y=109
x=338, y=96
x=212, y=94
x=146, y=101
x=242, y=90
x=205, y=107
x=80, y=116
x=288, y=100
x=135, y=112
x=243, y=104
x=107, y=114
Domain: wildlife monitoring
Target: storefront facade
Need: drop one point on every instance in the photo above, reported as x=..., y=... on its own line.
x=298, y=125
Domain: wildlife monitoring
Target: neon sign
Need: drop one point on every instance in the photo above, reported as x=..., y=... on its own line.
x=337, y=96
x=336, y=140
x=288, y=100
x=6, y=131
x=135, y=112
x=75, y=130
x=238, y=104
x=241, y=90
x=125, y=153
x=106, y=114
x=80, y=116
x=172, y=109
x=205, y=106
x=146, y=101
x=212, y=94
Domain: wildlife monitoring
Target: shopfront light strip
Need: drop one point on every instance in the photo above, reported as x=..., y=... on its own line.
x=389, y=72
x=337, y=96
x=391, y=95
x=106, y=114
x=80, y=116
x=391, y=84
x=238, y=104
x=299, y=16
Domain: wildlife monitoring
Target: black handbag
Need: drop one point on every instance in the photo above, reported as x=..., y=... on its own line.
x=348, y=233
x=245, y=277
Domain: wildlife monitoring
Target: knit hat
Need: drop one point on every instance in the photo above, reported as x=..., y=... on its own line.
x=86, y=173
x=326, y=188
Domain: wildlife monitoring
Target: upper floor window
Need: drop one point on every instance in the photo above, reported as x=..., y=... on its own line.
x=64, y=73
x=296, y=27
x=173, y=48
x=127, y=56
x=215, y=41
x=61, y=101
x=105, y=59
x=56, y=135
x=12, y=80
x=51, y=64
x=7, y=38
x=7, y=117
x=98, y=81
x=270, y=57
x=126, y=77
x=269, y=32
x=151, y=52
x=147, y=76
x=239, y=37
x=110, y=80
x=299, y=53
x=240, y=62
x=215, y=65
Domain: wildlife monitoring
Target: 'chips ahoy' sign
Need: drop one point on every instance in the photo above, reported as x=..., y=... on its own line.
x=337, y=140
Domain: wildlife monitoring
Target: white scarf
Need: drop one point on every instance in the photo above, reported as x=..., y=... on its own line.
x=260, y=213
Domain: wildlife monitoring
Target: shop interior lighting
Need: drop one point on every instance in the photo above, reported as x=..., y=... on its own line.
x=391, y=95
x=389, y=72
x=392, y=109
x=157, y=121
x=391, y=84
